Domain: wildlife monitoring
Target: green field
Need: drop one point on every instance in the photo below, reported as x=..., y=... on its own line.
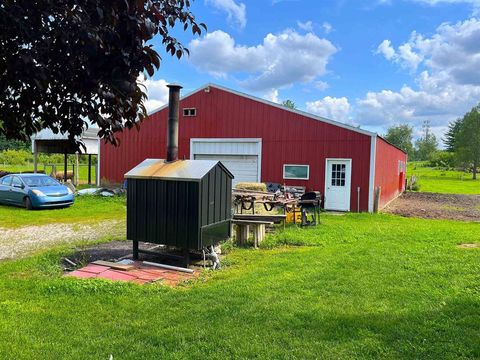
x=83, y=170
x=359, y=286
x=443, y=181
x=86, y=209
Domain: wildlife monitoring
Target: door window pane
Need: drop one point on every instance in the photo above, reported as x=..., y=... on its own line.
x=338, y=174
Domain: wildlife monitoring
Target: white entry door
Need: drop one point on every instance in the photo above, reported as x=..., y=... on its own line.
x=338, y=184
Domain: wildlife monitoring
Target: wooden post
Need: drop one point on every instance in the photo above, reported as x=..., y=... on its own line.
x=376, y=203
x=259, y=234
x=89, y=169
x=76, y=170
x=35, y=157
x=65, y=169
x=242, y=234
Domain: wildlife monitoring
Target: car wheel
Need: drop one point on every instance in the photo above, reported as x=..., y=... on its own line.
x=28, y=203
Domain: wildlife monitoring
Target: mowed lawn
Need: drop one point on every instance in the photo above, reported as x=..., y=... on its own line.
x=86, y=209
x=443, y=181
x=358, y=286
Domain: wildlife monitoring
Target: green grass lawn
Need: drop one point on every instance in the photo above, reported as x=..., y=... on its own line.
x=82, y=176
x=443, y=181
x=361, y=286
x=86, y=209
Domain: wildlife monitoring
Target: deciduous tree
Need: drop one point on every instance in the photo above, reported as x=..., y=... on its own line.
x=66, y=62
x=401, y=136
x=427, y=144
x=289, y=104
x=467, y=141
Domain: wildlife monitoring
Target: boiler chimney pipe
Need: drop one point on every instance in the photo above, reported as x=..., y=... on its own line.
x=172, y=125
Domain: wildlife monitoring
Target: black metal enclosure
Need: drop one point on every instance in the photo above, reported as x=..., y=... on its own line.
x=184, y=203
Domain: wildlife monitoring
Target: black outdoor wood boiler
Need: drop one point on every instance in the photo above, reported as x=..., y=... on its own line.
x=185, y=204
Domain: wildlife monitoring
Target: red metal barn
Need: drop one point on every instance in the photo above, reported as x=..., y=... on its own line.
x=258, y=140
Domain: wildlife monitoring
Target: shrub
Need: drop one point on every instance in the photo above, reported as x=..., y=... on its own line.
x=251, y=186
x=15, y=157
x=442, y=159
x=415, y=187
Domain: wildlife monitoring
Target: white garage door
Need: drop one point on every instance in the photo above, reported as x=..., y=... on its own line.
x=243, y=167
x=241, y=156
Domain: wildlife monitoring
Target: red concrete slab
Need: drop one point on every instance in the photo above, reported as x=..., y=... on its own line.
x=116, y=275
x=153, y=270
x=144, y=275
x=170, y=276
x=95, y=269
x=141, y=281
x=81, y=274
x=141, y=275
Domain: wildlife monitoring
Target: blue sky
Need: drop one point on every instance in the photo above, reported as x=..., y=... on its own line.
x=372, y=63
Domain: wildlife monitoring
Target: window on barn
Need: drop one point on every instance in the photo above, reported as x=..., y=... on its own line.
x=296, y=172
x=189, y=112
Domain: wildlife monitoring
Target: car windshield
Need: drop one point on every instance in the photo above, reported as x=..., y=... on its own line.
x=38, y=181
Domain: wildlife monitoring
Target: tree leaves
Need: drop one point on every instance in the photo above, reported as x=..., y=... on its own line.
x=65, y=64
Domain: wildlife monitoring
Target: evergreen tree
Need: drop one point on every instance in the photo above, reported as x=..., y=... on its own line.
x=451, y=134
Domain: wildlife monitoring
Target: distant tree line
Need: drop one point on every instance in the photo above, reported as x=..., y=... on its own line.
x=462, y=143
x=13, y=144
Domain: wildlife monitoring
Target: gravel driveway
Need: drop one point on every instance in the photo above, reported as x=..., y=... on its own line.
x=15, y=243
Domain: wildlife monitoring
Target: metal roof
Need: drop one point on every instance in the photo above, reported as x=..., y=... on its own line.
x=193, y=170
x=48, y=134
x=46, y=141
x=274, y=104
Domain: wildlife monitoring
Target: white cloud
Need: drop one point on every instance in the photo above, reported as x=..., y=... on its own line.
x=405, y=55
x=272, y=95
x=236, y=13
x=321, y=85
x=386, y=49
x=279, y=61
x=447, y=85
x=337, y=109
x=327, y=27
x=307, y=25
x=157, y=92
x=436, y=2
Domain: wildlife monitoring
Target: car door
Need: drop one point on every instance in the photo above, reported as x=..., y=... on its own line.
x=17, y=191
x=5, y=186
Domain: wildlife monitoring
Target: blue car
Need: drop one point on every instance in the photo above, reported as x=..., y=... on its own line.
x=34, y=191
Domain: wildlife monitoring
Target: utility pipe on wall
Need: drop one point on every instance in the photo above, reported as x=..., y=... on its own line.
x=358, y=199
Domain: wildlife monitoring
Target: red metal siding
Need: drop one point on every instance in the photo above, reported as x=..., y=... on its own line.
x=287, y=138
x=387, y=171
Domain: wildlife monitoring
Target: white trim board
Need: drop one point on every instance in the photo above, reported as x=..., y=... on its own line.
x=371, y=180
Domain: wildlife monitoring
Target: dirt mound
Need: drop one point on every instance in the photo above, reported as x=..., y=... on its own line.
x=436, y=206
